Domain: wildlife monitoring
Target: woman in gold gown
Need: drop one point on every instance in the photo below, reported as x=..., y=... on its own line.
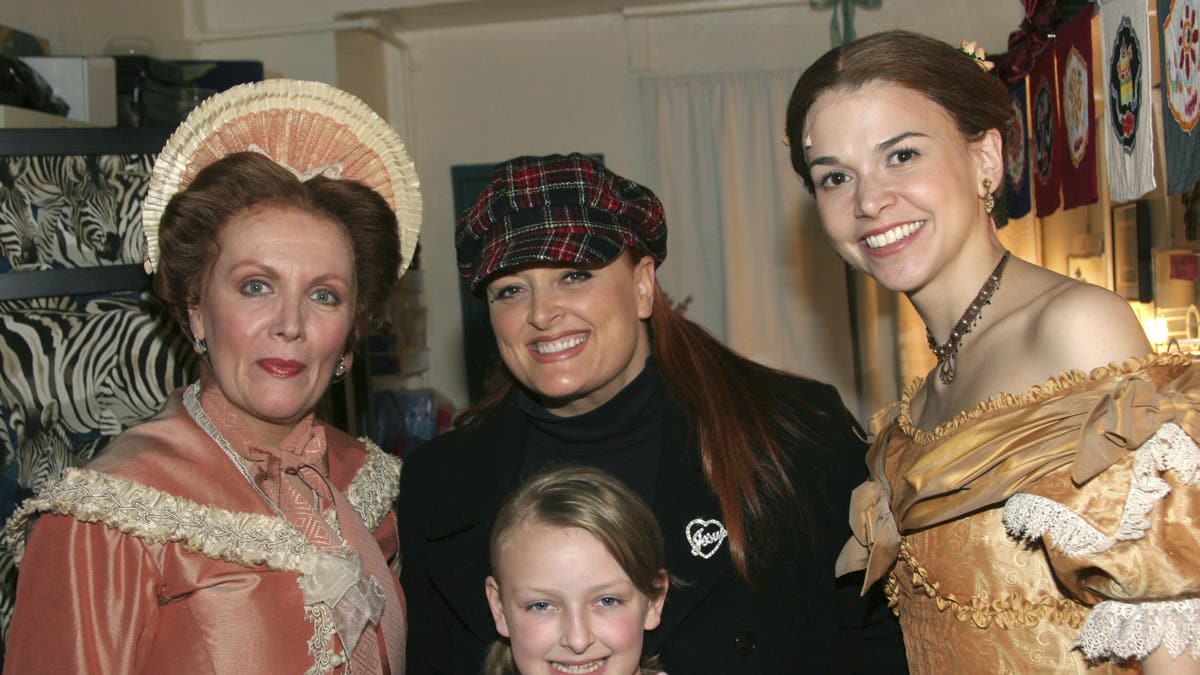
x=1033, y=502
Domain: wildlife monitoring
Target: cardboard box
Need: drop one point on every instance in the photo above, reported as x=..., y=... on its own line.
x=12, y=117
x=87, y=83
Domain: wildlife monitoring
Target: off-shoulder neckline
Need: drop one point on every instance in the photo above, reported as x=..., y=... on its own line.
x=1002, y=401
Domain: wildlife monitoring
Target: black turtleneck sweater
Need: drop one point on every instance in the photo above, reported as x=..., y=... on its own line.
x=621, y=436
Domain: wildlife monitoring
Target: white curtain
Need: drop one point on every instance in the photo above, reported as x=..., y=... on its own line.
x=745, y=242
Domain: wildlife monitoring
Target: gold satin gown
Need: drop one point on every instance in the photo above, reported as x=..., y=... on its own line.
x=1052, y=532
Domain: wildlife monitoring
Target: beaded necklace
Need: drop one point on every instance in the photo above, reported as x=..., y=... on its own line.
x=946, y=354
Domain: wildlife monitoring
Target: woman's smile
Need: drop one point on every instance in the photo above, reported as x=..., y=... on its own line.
x=559, y=348
x=574, y=337
x=897, y=185
x=893, y=234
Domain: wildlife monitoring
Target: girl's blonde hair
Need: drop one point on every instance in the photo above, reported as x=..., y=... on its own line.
x=599, y=503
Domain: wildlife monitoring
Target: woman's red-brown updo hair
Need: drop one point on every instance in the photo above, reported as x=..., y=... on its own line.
x=189, y=234
x=974, y=98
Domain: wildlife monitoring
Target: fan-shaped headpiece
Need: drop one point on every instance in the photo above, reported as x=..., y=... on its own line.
x=309, y=128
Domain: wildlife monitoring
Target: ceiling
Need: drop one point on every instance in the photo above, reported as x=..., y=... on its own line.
x=426, y=14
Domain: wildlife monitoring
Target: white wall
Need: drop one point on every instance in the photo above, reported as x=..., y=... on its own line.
x=237, y=29
x=85, y=26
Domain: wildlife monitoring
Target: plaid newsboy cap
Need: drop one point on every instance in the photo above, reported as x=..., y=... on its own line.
x=560, y=210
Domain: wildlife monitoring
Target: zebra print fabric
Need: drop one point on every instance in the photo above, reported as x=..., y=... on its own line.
x=71, y=211
x=74, y=371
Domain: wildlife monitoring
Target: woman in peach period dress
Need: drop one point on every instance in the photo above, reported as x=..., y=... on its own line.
x=234, y=532
x=1033, y=503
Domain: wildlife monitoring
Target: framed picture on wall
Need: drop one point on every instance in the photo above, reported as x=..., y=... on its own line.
x=1133, y=272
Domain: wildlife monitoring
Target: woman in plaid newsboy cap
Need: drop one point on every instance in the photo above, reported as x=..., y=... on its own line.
x=748, y=470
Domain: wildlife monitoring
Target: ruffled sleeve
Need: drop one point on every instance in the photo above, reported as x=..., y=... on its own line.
x=1121, y=525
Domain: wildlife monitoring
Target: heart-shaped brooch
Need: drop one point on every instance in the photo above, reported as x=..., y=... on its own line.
x=705, y=536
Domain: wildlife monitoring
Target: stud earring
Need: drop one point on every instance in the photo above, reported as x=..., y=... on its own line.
x=339, y=371
x=989, y=202
x=200, y=346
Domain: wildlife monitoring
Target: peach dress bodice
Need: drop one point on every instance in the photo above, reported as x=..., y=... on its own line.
x=160, y=556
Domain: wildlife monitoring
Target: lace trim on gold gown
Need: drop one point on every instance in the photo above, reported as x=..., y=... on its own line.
x=1047, y=452
x=1122, y=630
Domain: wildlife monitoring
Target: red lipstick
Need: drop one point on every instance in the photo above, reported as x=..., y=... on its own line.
x=281, y=367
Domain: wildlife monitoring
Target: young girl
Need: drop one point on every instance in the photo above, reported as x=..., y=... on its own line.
x=578, y=576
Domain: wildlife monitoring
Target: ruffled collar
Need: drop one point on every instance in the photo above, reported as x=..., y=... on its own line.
x=262, y=464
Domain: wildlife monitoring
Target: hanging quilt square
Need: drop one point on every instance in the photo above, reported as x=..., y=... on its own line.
x=1016, y=153
x=1180, y=40
x=1077, y=143
x=1043, y=101
x=1129, y=127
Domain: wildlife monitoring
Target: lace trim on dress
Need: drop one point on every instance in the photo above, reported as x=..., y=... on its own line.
x=1001, y=401
x=158, y=517
x=1123, y=631
x=375, y=486
x=373, y=489
x=1006, y=611
x=324, y=659
x=248, y=539
x=1031, y=517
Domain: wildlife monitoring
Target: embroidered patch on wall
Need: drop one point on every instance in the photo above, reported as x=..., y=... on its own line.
x=1181, y=44
x=1043, y=125
x=1077, y=91
x=1015, y=147
x=1124, y=91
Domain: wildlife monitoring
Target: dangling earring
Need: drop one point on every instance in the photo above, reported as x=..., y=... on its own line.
x=989, y=202
x=199, y=345
x=339, y=371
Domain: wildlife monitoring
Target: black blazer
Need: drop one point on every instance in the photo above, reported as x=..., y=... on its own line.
x=796, y=619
